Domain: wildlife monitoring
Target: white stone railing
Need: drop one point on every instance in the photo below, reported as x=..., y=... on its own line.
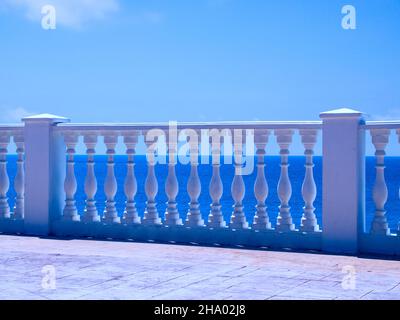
x=48, y=190
x=379, y=132
x=15, y=214
x=131, y=132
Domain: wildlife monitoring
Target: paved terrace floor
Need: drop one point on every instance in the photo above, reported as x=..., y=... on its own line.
x=88, y=269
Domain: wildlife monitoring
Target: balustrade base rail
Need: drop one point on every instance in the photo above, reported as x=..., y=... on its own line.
x=248, y=238
x=12, y=226
x=388, y=245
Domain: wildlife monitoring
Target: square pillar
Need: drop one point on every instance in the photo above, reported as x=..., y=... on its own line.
x=343, y=180
x=45, y=163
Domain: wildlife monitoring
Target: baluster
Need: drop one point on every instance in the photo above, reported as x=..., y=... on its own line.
x=19, y=180
x=215, y=218
x=130, y=186
x=308, y=188
x=380, y=138
x=193, y=218
x=284, y=221
x=261, y=218
x=110, y=183
x=70, y=212
x=90, y=213
x=151, y=188
x=4, y=179
x=238, y=189
x=171, y=184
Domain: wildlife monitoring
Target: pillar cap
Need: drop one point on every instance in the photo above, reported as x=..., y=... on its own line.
x=342, y=113
x=46, y=117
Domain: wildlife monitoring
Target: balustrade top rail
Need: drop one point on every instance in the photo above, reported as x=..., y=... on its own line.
x=382, y=125
x=191, y=125
x=11, y=127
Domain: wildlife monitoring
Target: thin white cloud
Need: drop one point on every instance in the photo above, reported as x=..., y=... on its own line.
x=217, y=3
x=69, y=13
x=391, y=114
x=13, y=115
x=152, y=17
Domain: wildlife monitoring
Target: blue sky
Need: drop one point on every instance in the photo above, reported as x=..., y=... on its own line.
x=197, y=60
x=203, y=60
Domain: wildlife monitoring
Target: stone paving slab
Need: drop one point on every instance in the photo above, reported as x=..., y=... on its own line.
x=88, y=269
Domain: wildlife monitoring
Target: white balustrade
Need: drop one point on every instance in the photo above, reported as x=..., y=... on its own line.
x=238, y=218
x=261, y=218
x=19, y=180
x=90, y=213
x=110, y=183
x=193, y=218
x=151, y=216
x=309, y=189
x=4, y=179
x=284, y=221
x=215, y=218
x=41, y=156
x=130, y=186
x=380, y=138
x=70, y=212
x=171, y=184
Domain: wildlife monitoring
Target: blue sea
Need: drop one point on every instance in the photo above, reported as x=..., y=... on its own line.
x=272, y=171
